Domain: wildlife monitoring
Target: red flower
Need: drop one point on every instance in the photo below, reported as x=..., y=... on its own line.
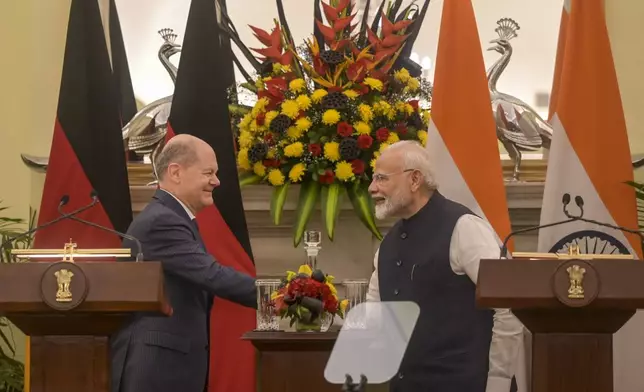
x=315, y=149
x=271, y=163
x=268, y=138
x=364, y=141
x=344, y=129
x=358, y=166
x=401, y=129
x=327, y=177
x=414, y=104
x=260, y=119
x=382, y=134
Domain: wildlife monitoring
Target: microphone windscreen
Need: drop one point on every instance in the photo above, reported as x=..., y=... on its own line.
x=579, y=201
x=566, y=198
x=64, y=200
x=93, y=194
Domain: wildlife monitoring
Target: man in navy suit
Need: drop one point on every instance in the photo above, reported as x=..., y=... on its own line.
x=169, y=354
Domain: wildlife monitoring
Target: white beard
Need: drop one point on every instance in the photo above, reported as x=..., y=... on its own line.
x=391, y=206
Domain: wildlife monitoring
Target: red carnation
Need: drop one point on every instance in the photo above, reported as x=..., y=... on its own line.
x=364, y=141
x=271, y=162
x=345, y=129
x=414, y=104
x=401, y=129
x=268, y=138
x=382, y=134
x=327, y=177
x=315, y=149
x=260, y=119
x=358, y=166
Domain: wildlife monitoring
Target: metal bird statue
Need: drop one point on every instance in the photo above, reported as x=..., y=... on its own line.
x=518, y=126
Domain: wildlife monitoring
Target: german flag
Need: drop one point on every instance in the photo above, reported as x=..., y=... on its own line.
x=200, y=108
x=122, y=79
x=87, y=151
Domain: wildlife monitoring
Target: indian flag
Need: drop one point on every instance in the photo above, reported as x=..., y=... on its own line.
x=462, y=133
x=561, y=47
x=590, y=155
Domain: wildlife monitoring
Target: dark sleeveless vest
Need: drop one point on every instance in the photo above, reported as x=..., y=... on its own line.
x=449, y=348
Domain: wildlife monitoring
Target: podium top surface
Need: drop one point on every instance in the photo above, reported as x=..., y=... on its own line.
x=523, y=284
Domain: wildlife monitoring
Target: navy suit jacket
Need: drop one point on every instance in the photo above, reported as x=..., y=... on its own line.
x=168, y=354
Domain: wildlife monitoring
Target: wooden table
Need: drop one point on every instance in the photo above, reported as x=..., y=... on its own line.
x=295, y=361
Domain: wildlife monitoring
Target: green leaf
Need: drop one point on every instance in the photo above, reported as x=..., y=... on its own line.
x=277, y=203
x=331, y=207
x=249, y=86
x=248, y=178
x=363, y=206
x=308, y=197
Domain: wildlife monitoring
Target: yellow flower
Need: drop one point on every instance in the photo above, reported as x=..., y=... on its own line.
x=343, y=305
x=318, y=95
x=259, y=169
x=332, y=288
x=297, y=85
x=373, y=164
x=269, y=117
x=277, y=67
x=412, y=85
x=351, y=94
x=344, y=171
x=271, y=153
x=290, y=108
x=259, y=107
x=290, y=275
x=422, y=136
x=375, y=84
x=294, y=150
x=294, y=133
x=242, y=159
x=305, y=269
x=245, y=139
x=297, y=172
x=259, y=83
x=332, y=151
x=383, y=147
x=402, y=75
x=393, y=138
x=362, y=128
x=275, y=177
x=426, y=115
x=303, y=102
x=244, y=124
x=303, y=123
x=330, y=117
x=365, y=112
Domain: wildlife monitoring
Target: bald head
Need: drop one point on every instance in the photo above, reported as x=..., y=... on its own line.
x=187, y=168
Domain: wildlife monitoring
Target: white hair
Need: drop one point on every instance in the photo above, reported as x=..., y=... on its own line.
x=415, y=157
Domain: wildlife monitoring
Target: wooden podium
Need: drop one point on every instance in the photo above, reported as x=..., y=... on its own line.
x=69, y=309
x=573, y=306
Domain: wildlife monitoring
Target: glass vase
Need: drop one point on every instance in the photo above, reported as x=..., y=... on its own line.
x=314, y=326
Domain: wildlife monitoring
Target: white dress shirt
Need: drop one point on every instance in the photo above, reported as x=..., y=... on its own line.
x=473, y=239
x=185, y=207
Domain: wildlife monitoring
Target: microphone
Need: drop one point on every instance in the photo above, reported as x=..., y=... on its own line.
x=63, y=201
x=565, y=200
x=139, y=255
x=579, y=201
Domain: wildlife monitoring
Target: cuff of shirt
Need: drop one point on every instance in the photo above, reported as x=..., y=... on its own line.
x=498, y=384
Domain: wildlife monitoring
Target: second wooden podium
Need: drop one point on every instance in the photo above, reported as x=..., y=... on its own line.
x=572, y=307
x=69, y=309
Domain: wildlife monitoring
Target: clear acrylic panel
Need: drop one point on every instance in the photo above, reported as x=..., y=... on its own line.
x=267, y=319
x=376, y=350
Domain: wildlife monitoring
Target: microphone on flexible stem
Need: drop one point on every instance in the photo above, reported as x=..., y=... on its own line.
x=63, y=201
x=565, y=200
x=579, y=201
x=94, y=195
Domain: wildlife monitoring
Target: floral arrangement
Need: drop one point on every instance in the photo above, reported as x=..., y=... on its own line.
x=323, y=114
x=305, y=297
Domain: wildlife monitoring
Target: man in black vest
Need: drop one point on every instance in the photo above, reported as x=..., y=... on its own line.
x=431, y=257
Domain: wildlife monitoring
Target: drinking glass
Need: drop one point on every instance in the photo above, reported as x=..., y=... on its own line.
x=355, y=293
x=267, y=318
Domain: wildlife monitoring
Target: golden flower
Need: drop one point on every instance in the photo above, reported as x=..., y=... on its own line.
x=412, y=85
x=375, y=84
x=422, y=136
x=294, y=133
x=259, y=83
x=318, y=95
x=242, y=159
x=244, y=124
x=259, y=107
x=365, y=112
x=330, y=117
x=271, y=153
x=383, y=147
x=290, y=108
x=275, y=177
x=332, y=151
x=343, y=305
x=277, y=67
x=303, y=123
x=294, y=150
x=362, y=128
x=402, y=75
x=393, y=138
x=351, y=94
x=305, y=269
x=344, y=171
x=332, y=288
x=259, y=169
x=303, y=101
x=373, y=163
x=269, y=117
x=245, y=139
x=297, y=85
x=297, y=172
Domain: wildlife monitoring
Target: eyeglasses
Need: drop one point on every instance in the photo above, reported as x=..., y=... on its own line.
x=380, y=178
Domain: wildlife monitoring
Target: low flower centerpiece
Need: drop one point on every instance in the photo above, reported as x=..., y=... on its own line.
x=325, y=111
x=305, y=297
